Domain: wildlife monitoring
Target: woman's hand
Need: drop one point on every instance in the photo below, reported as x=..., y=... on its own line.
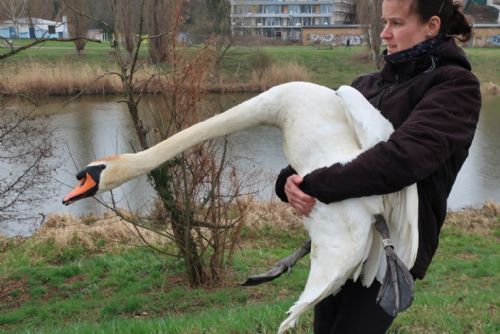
x=299, y=200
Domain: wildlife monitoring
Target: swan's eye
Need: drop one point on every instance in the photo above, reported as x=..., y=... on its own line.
x=81, y=175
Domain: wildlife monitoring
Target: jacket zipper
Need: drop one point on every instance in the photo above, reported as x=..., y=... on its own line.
x=388, y=88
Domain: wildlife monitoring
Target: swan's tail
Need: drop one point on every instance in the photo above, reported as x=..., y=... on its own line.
x=338, y=248
x=302, y=305
x=312, y=295
x=291, y=321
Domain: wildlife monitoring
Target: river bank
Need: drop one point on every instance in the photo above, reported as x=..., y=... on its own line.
x=56, y=71
x=65, y=230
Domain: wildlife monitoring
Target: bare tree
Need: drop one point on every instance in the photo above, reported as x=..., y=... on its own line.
x=197, y=209
x=26, y=149
x=14, y=10
x=101, y=10
x=78, y=25
x=210, y=19
x=369, y=14
x=41, y=9
x=158, y=20
x=218, y=16
x=189, y=187
x=127, y=14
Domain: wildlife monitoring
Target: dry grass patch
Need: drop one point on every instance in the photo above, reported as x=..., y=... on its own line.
x=276, y=74
x=275, y=213
x=62, y=78
x=489, y=88
x=480, y=221
x=91, y=233
x=110, y=231
x=58, y=79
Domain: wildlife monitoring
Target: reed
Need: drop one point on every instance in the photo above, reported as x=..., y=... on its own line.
x=37, y=78
x=62, y=78
x=278, y=73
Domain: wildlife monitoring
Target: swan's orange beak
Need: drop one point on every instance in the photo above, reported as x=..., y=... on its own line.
x=86, y=188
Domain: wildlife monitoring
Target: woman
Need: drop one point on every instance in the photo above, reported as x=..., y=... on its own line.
x=432, y=99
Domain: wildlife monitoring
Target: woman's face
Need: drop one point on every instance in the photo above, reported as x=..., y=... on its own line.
x=403, y=29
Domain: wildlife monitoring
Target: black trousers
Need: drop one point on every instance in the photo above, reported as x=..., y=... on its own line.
x=352, y=311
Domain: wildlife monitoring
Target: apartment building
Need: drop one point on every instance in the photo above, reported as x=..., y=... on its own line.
x=285, y=19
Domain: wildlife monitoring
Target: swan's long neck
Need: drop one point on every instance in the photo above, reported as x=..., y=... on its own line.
x=260, y=110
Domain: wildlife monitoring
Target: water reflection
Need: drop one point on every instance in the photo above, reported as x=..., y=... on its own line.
x=479, y=179
x=94, y=127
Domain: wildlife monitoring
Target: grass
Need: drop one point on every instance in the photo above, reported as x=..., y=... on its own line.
x=329, y=67
x=50, y=285
x=53, y=51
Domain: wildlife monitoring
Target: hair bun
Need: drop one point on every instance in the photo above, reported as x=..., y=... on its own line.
x=457, y=23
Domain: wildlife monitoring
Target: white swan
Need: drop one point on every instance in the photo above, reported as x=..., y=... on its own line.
x=320, y=127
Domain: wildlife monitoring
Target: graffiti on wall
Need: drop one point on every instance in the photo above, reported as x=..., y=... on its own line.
x=494, y=40
x=333, y=39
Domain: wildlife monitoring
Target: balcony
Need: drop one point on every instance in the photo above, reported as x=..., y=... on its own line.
x=256, y=15
x=284, y=2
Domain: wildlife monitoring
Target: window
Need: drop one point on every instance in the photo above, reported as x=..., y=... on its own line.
x=293, y=9
x=305, y=8
x=325, y=9
x=269, y=9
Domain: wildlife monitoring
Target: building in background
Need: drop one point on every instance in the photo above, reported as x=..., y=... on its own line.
x=333, y=22
x=33, y=28
x=286, y=19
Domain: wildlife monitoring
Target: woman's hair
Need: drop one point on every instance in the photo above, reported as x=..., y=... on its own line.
x=453, y=20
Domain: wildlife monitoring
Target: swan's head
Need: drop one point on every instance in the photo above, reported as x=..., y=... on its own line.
x=98, y=177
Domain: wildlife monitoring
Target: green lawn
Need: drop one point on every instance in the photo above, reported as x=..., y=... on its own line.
x=329, y=67
x=48, y=289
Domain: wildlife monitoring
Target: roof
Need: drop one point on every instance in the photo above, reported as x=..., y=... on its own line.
x=33, y=20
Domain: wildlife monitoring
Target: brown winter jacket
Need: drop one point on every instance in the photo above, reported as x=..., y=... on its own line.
x=433, y=103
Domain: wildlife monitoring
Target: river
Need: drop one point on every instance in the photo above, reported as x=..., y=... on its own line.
x=95, y=127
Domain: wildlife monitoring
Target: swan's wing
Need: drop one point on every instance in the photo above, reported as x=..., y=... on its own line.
x=400, y=208
x=370, y=126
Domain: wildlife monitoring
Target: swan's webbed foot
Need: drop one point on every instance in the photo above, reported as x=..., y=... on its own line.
x=285, y=265
x=396, y=293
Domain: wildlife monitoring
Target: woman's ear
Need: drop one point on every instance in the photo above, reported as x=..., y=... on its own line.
x=433, y=26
